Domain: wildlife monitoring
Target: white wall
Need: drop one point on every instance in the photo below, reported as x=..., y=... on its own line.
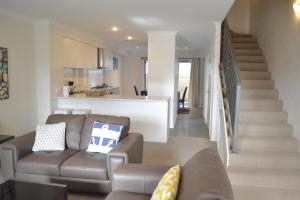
x=239, y=16
x=42, y=63
x=18, y=113
x=191, y=53
x=161, y=59
x=214, y=98
x=277, y=28
x=133, y=71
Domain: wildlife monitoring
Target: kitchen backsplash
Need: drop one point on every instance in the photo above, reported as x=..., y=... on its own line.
x=83, y=78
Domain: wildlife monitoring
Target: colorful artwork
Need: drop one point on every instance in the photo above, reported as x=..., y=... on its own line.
x=115, y=63
x=4, y=93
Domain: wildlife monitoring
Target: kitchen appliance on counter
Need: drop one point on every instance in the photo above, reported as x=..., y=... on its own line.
x=99, y=87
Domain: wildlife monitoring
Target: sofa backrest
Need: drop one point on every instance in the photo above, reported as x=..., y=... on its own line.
x=73, y=129
x=88, y=127
x=204, y=178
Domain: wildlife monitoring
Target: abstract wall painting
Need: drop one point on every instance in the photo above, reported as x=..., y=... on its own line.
x=115, y=63
x=4, y=90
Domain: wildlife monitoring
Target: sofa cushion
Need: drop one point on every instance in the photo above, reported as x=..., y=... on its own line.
x=50, y=137
x=116, y=195
x=204, y=178
x=85, y=165
x=88, y=127
x=44, y=163
x=73, y=130
x=168, y=185
x=104, y=137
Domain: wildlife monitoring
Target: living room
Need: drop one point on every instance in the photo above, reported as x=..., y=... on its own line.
x=75, y=66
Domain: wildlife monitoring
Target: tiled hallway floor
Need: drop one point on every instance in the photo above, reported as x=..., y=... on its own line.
x=191, y=125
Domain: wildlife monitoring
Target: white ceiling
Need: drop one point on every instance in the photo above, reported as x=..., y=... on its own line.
x=191, y=18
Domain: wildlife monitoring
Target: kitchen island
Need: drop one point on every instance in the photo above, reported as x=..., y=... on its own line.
x=148, y=115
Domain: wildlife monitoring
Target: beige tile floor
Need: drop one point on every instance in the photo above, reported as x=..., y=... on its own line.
x=189, y=136
x=191, y=125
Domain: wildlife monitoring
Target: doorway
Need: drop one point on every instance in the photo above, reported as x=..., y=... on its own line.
x=183, y=82
x=190, y=121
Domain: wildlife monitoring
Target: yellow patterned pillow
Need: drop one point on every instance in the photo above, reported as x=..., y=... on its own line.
x=167, y=186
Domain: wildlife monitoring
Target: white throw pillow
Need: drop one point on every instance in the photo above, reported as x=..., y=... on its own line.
x=50, y=137
x=104, y=137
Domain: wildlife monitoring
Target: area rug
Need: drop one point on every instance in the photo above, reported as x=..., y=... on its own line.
x=183, y=111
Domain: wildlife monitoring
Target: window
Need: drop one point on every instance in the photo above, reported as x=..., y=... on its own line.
x=184, y=77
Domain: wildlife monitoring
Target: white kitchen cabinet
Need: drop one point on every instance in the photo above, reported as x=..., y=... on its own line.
x=68, y=53
x=108, y=59
x=79, y=54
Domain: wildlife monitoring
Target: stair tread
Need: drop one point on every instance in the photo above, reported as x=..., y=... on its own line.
x=263, y=125
x=268, y=139
x=258, y=84
x=258, y=81
x=246, y=43
x=265, y=177
x=259, y=90
x=251, y=56
x=250, y=63
x=283, y=136
x=261, y=104
x=264, y=112
x=264, y=116
x=268, y=154
x=263, y=193
x=255, y=72
x=248, y=93
x=266, y=159
x=264, y=171
x=260, y=100
x=240, y=34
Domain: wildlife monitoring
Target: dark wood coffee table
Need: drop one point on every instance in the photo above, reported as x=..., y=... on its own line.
x=26, y=190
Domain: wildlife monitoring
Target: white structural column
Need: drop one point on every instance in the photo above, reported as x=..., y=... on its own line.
x=42, y=63
x=161, y=74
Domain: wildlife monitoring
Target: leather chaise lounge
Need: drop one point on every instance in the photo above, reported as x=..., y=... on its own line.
x=79, y=169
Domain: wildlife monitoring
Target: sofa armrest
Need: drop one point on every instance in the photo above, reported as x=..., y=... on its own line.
x=129, y=150
x=138, y=178
x=14, y=150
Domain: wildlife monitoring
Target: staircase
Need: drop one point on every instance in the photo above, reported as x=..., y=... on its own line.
x=267, y=165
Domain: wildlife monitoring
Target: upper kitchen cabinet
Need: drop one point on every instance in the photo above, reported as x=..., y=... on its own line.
x=111, y=59
x=79, y=54
x=108, y=59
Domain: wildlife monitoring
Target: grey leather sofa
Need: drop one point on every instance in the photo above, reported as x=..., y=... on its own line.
x=203, y=177
x=74, y=166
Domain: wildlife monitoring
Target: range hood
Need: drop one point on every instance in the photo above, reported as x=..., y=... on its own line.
x=101, y=61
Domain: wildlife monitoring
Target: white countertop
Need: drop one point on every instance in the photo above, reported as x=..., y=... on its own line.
x=115, y=98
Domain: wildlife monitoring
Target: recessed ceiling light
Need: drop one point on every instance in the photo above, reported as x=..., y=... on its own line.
x=129, y=37
x=186, y=47
x=114, y=28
